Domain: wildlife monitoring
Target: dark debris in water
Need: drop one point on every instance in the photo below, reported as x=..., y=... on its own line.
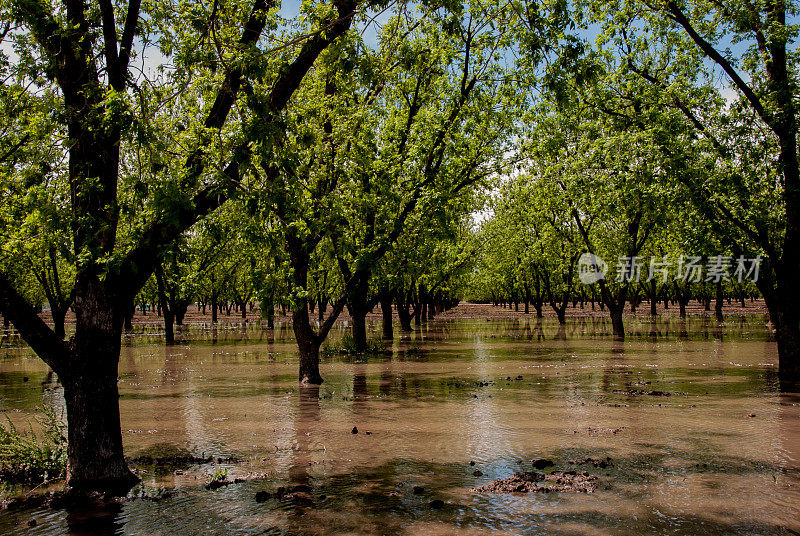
x=601, y=463
x=594, y=431
x=640, y=392
x=533, y=482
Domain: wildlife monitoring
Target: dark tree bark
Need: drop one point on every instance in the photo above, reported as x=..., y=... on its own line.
x=718, y=303
x=358, y=305
x=93, y=419
x=652, y=297
x=59, y=315
x=180, y=309
x=308, y=343
x=214, y=305
x=617, y=325
x=128, y=314
x=386, y=313
x=359, y=331
x=682, y=296
x=403, y=311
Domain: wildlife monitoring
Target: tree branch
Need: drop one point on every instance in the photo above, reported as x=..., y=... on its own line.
x=712, y=53
x=139, y=263
x=43, y=340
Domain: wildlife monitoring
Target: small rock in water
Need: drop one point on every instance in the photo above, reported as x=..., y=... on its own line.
x=752, y=415
x=32, y=523
x=368, y=433
x=477, y=473
x=436, y=504
x=262, y=496
x=419, y=490
x=541, y=463
x=472, y=463
x=354, y=430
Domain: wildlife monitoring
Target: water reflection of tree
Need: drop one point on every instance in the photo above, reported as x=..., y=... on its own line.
x=306, y=419
x=97, y=519
x=387, y=378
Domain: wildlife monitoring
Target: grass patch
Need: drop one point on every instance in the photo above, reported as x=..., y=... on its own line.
x=27, y=457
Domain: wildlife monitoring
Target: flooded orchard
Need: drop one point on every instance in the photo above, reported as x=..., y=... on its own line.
x=681, y=429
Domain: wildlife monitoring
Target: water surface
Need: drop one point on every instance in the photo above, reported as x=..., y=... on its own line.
x=701, y=439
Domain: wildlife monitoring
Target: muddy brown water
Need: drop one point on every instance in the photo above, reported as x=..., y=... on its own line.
x=701, y=439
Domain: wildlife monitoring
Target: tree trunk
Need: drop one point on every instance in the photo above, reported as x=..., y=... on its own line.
x=786, y=320
x=95, y=455
x=359, y=318
x=617, y=326
x=386, y=313
x=169, y=327
x=94, y=452
x=718, y=303
x=787, y=336
x=127, y=316
x=403, y=312
x=308, y=345
x=180, y=312
x=358, y=307
x=58, y=315
x=653, y=311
